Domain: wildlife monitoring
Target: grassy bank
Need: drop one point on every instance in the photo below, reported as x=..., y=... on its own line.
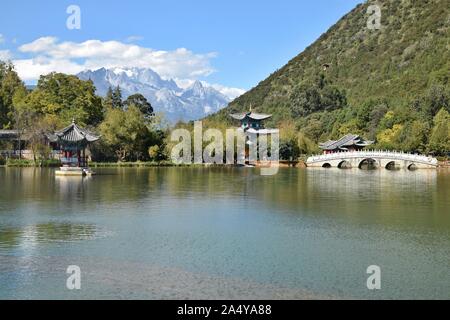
x=30, y=163
x=56, y=163
x=131, y=164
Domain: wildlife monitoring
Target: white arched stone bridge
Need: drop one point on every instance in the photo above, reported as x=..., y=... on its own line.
x=373, y=158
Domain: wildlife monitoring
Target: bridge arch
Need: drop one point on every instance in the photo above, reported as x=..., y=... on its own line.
x=326, y=165
x=412, y=167
x=344, y=164
x=392, y=165
x=368, y=164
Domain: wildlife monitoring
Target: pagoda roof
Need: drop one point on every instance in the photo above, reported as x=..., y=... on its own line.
x=73, y=134
x=344, y=142
x=250, y=115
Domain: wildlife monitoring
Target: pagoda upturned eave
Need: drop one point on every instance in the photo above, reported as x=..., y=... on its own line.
x=73, y=134
x=250, y=115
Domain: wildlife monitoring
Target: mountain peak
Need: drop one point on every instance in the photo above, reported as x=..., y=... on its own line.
x=197, y=88
x=193, y=103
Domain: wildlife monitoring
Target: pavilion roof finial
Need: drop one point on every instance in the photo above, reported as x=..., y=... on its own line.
x=73, y=120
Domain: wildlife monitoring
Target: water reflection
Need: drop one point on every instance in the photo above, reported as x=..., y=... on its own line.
x=381, y=195
x=29, y=236
x=300, y=228
x=72, y=189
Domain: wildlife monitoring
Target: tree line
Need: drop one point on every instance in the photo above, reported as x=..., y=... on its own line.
x=130, y=129
x=318, y=110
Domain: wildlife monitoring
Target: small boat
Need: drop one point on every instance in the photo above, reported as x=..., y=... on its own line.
x=74, y=171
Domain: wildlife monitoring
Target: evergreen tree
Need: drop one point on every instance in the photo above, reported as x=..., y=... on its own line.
x=117, y=98
x=108, y=100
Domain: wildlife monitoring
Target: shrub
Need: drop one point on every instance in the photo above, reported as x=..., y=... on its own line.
x=19, y=163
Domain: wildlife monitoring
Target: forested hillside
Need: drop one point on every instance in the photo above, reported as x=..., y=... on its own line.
x=391, y=84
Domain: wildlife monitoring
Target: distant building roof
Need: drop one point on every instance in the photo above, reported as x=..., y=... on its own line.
x=13, y=135
x=73, y=135
x=8, y=134
x=250, y=115
x=344, y=142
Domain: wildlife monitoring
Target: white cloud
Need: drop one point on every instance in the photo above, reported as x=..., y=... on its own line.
x=31, y=69
x=70, y=57
x=47, y=54
x=134, y=38
x=5, y=55
x=231, y=93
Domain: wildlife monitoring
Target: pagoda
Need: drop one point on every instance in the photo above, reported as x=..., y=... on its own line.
x=73, y=141
x=252, y=123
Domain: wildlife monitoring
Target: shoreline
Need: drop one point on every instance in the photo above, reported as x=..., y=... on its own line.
x=152, y=164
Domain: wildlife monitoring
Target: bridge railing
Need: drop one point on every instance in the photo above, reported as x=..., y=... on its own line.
x=394, y=155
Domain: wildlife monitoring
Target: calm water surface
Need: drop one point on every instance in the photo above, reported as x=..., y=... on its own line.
x=225, y=233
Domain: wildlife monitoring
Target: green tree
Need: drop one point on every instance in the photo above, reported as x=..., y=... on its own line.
x=10, y=83
x=306, y=145
x=436, y=97
x=440, y=135
x=413, y=137
x=66, y=97
x=387, y=139
x=141, y=103
x=320, y=95
x=126, y=132
x=156, y=153
x=289, y=149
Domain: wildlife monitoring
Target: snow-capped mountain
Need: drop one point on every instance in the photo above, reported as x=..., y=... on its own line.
x=166, y=96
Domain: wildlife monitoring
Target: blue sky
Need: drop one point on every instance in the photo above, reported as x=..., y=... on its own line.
x=232, y=43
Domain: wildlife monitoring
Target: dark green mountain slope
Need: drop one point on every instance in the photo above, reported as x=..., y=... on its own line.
x=395, y=78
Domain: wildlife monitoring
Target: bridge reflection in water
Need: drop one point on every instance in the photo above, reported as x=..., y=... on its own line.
x=372, y=160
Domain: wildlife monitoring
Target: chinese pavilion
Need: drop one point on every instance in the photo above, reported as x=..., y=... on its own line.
x=73, y=141
x=252, y=123
x=349, y=142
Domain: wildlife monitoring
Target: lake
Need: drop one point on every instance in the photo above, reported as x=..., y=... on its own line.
x=225, y=233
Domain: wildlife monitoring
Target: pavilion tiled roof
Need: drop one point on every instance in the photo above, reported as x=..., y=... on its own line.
x=251, y=115
x=344, y=142
x=73, y=134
